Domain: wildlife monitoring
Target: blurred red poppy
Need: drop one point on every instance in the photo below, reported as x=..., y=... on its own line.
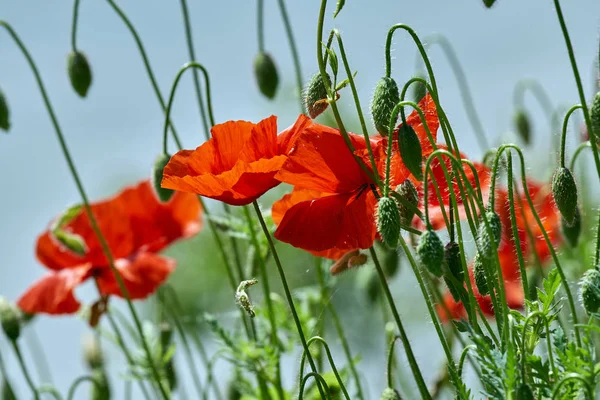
x=237, y=164
x=136, y=226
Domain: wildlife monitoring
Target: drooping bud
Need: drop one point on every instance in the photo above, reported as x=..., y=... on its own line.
x=4, y=113
x=523, y=125
x=266, y=75
x=92, y=353
x=573, y=231
x=595, y=115
x=101, y=389
x=489, y=3
x=385, y=97
x=564, y=190
x=80, y=72
x=388, y=221
x=419, y=90
x=410, y=150
x=524, y=392
x=454, y=268
x=390, y=394
x=164, y=195
x=10, y=319
x=408, y=192
x=590, y=291
x=484, y=240
x=430, y=252
x=480, y=275
x=315, y=95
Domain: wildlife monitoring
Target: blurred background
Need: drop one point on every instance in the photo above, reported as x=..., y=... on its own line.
x=115, y=133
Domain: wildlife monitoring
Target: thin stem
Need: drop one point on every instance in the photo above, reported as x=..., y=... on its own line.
x=39, y=356
x=296, y=58
x=580, y=148
x=390, y=362
x=572, y=377
x=191, y=52
x=92, y=218
x=320, y=381
x=79, y=381
x=538, y=92
x=260, y=25
x=288, y=293
x=26, y=373
x=405, y=342
x=541, y=315
x=563, y=139
x=463, y=357
x=74, y=25
x=50, y=390
x=597, y=252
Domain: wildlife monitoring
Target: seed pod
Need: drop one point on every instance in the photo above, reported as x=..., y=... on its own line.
x=164, y=195
x=480, y=275
x=524, y=392
x=564, y=190
x=266, y=75
x=315, y=96
x=388, y=221
x=80, y=72
x=590, y=290
x=410, y=150
x=595, y=115
x=408, y=192
x=10, y=319
x=390, y=394
x=385, y=98
x=571, y=233
x=453, y=268
x=484, y=241
x=523, y=125
x=100, y=390
x=430, y=252
x=4, y=113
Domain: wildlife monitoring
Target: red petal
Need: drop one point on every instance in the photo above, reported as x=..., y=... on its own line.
x=288, y=137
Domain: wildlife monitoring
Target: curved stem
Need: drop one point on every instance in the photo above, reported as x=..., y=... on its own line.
x=50, y=390
x=74, y=25
x=405, y=342
x=88, y=210
x=320, y=381
x=79, y=381
x=390, y=362
x=463, y=357
x=564, y=133
x=577, y=152
x=538, y=92
x=296, y=58
x=572, y=377
x=191, y=52
x=23, y=366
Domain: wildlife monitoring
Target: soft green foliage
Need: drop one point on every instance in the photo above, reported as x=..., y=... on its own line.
x=523, y=125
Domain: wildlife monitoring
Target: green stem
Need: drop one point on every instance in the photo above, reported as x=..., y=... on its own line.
x=92, y=218
x=74, y=25
x=288, y=293
x=564, y=133
x=597, y=252
x=573, y=377
x=296, y=58
x=191, y=52
x=541, y=315
x=50, y=390
x=405, y=342
x=260, y=25
x=320, y=381
x=463, y=357
x=39, y=356
x=79, y=381
x=577, y=152
x=26, y=373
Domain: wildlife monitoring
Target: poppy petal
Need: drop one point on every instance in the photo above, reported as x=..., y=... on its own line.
x=288, y=137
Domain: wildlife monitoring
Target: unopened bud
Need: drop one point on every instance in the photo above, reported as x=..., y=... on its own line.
x=388, y=221
x=590, y=291
x=410, y=150
x=595, y=115
x=80, y=72
x=484, y=240
x=489, y=3
x=92, y=353
x=4, y=113
x=373, y=288
x=523, y=125
x=573, y=231
x=408, y=192
x=480, y=275
x=564, y=190
x=315, y=96
x=430, y=252
x=453, y=268
x=10, y=318
x=385, y=98
x=266, y=74
x=101, y=387
x=164, y=195
x=419, y=90
x=390, y=394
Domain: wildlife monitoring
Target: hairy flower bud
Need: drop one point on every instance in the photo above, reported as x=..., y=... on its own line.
x=10, y=319
x=410, y=150
x=4, y=113
x=484, y=241
x=315, y=95
x=590, y=290
x=430, y=252
x=388, y=221
x=80, y=72
x=266, y=75
x=480, y=275
x=390, y=394
x=573, y=231
x=408, y=192
x=453, y=268
x=595, y=115
x=385, y=97
x=564, y=190
x=523, y=125
x=92, y=353
x=164, y=195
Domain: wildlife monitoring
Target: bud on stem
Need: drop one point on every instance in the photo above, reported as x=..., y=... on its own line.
x=266, y=75
x=315, y=96
x=564, y=190
x=385, y=98
x=80, y=72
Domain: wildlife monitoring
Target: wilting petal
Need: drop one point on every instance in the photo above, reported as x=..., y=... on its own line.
x=53, y=294
x=142, y=276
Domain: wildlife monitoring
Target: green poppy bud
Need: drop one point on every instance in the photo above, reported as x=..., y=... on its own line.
x=10, y=319
x=484, y=241
x=480, y=275
x=4, y=113
x=408, y=192
x=524, y=392
x=92, y=353
x=489, y=3
x=590, y=290
x=391, y=263
x=390, y=394
x=523, y=125
x=410, y=150
x=430, y=252
x=164, y=195
x=573, y=231
x=564, y=190
x=419, y=90
x=595, y=115
x=315, y=96
x=7, y=391
x=454, y=268
x=80, y=72
x=373, y=288
x=266, y=75
x=101, y=389
x=385, y=98
x=388, y=221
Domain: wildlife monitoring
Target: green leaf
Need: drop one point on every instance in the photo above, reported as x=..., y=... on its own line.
x=345, y=82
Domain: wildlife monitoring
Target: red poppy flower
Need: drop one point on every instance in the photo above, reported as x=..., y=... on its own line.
x=136, y=226
x=237, y=164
